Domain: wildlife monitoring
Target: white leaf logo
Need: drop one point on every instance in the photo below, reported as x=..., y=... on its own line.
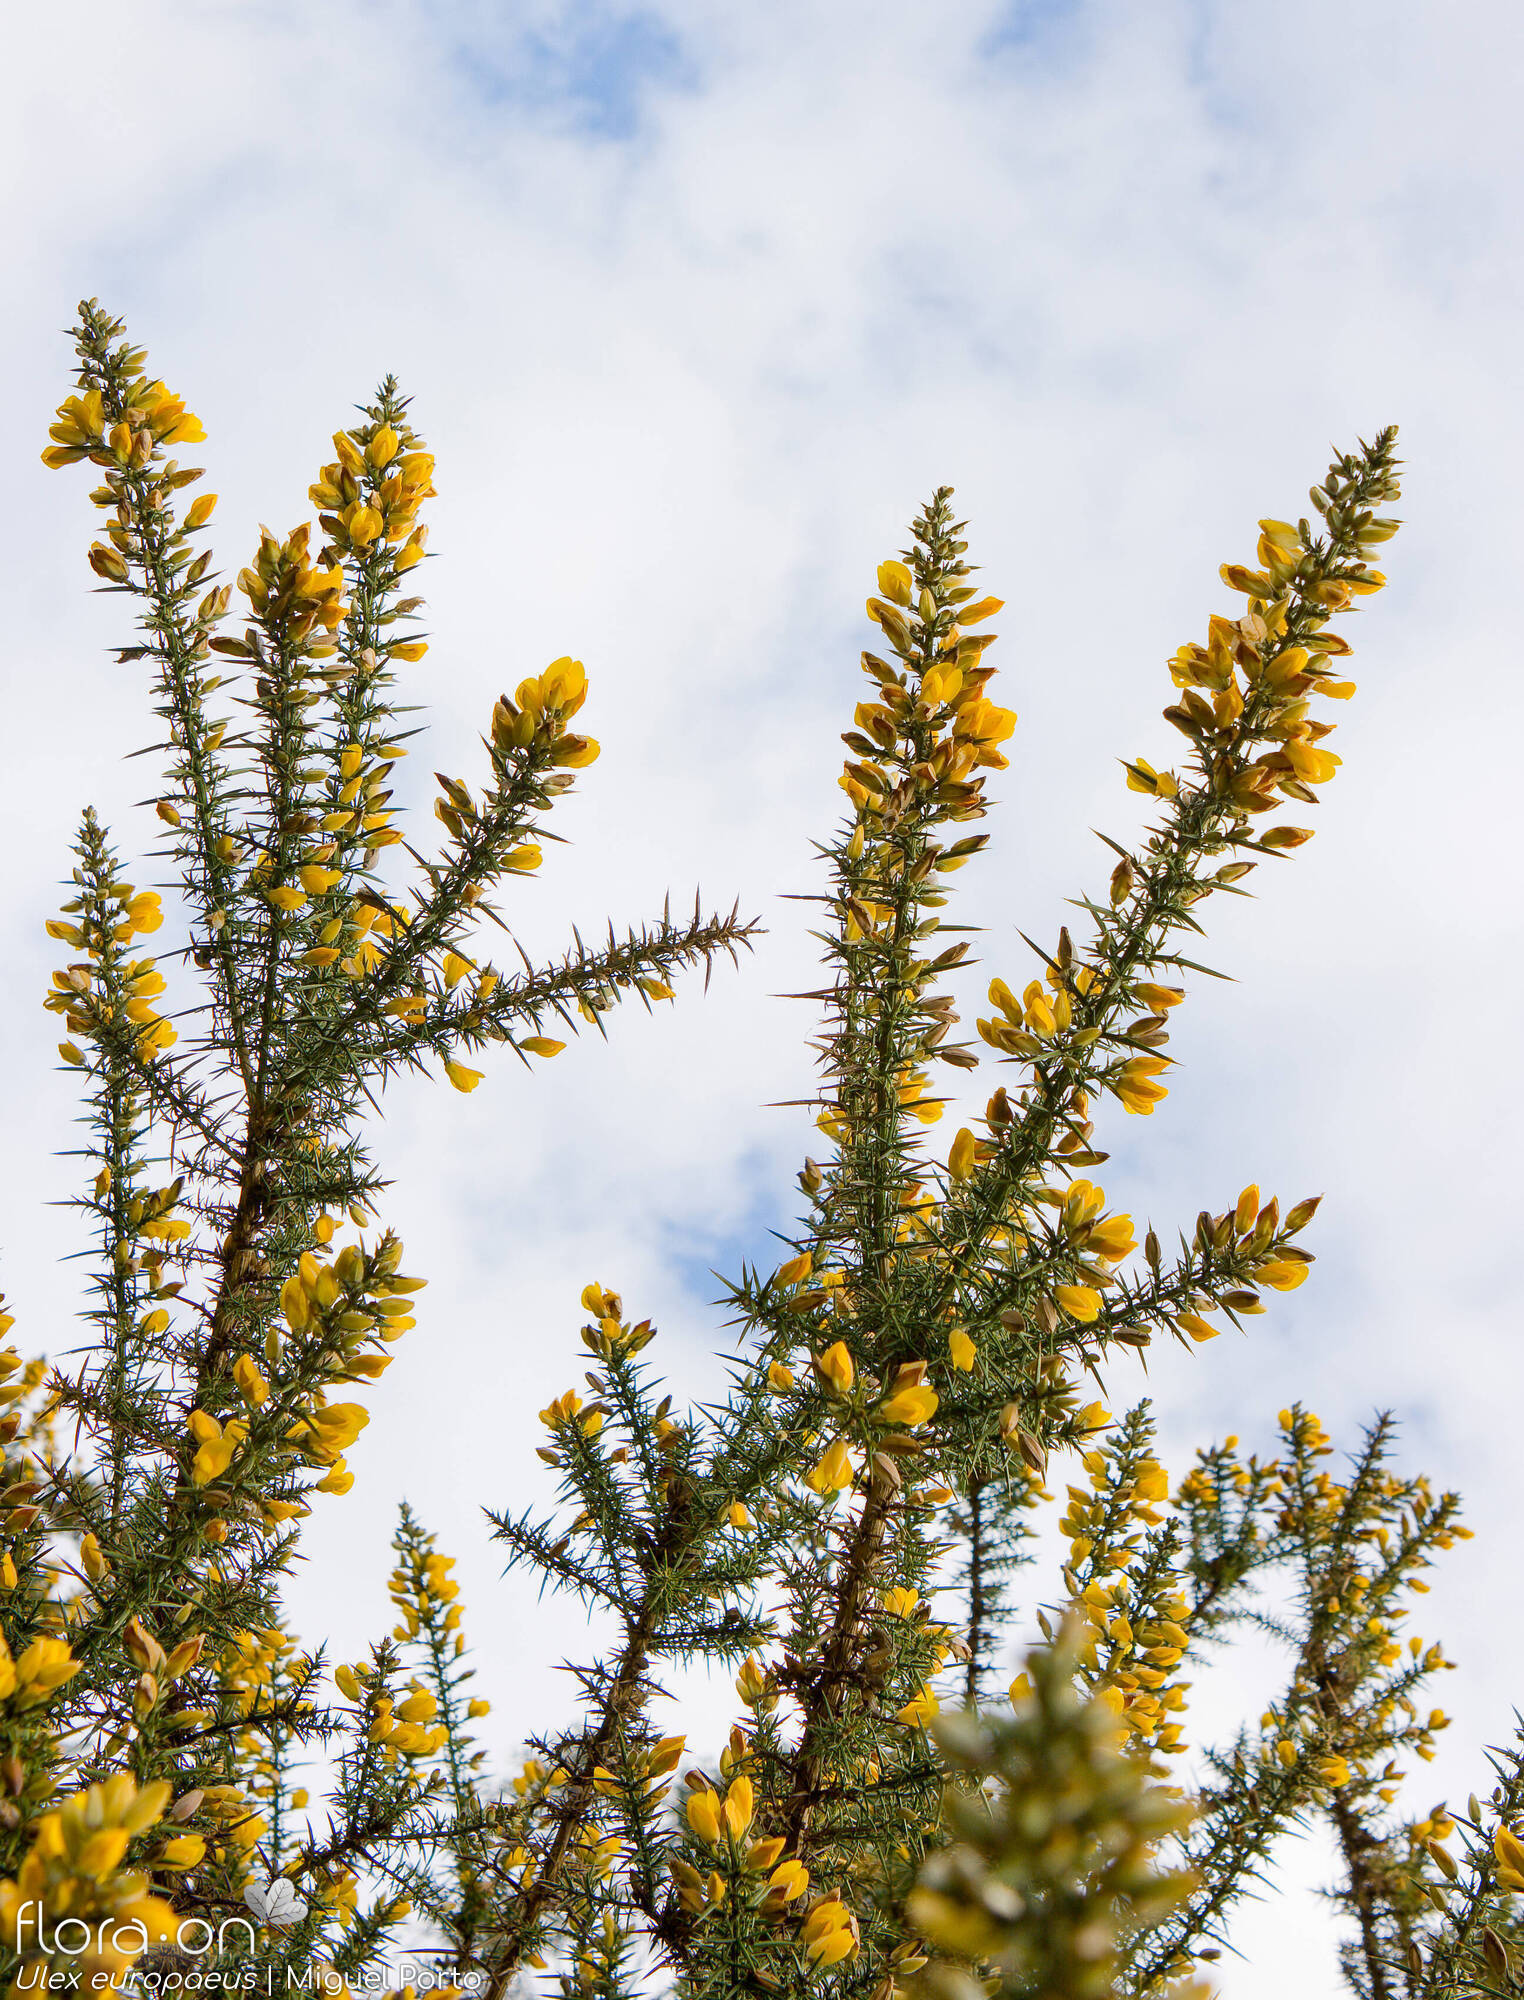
x=275, y=1903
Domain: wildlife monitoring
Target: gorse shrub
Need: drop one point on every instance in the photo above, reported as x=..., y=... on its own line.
x=845, y=1532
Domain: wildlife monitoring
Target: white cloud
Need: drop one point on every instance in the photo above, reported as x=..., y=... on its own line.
x=697, y=303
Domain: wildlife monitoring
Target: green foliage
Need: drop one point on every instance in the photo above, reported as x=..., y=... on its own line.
x=846, y=1530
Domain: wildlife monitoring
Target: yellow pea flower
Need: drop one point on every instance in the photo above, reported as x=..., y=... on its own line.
x=1509, y=1850
x=704, y=1816
x=975, y=614
x=895, y=582
x=1112, y=1239
x=836, y=1366
x=834, y=1471
x=1197, y=1327
x=462, y=1078
x=563, y=684
x=792, y=1877
x=919, y=1711
x=739, y=1807
x=910, y=1407
x=540, y=1045
x=1159, y=998
x=1313, y=765
x=1152, y=1483
x=962, y=1350
x=253, y=1386
x=1080, y=1302
x=960, y=1159
x=1282, y=1276
x=184, y=1851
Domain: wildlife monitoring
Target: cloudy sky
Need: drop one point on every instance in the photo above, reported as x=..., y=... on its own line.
x=698, y=302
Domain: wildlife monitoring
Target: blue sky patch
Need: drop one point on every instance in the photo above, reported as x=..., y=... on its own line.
x=594, y=69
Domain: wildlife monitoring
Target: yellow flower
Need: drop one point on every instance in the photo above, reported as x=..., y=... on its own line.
x=792, y=1877
x=1142, y=777
x=216, y=1446
x=1152, y=1483
x=960, y=1160
x=779, y=1379
x=836, y=1366
x=1159, y=998
x=540, y=1045
x=737, y=1515
x=1282, y=1276
x=563, y=685
x=704, y=1816
x=829, y=1933
x=1311, y=764
x=1197, y=1327
x=919, y=1711
x=1136, y=1085
x=461, y=1077
x=751, y=1682
x=1038, y=1011
x=185, y=1851
x=252, y=1384
x=910, y=1407
x=833, y=1472
x=895, y=582
x=1112, y=1239
x=975, y=614
x=1509, y=1850
x=739, y=1807
x=1078, y=1301
x=961, y=1349
x=45, y=1665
